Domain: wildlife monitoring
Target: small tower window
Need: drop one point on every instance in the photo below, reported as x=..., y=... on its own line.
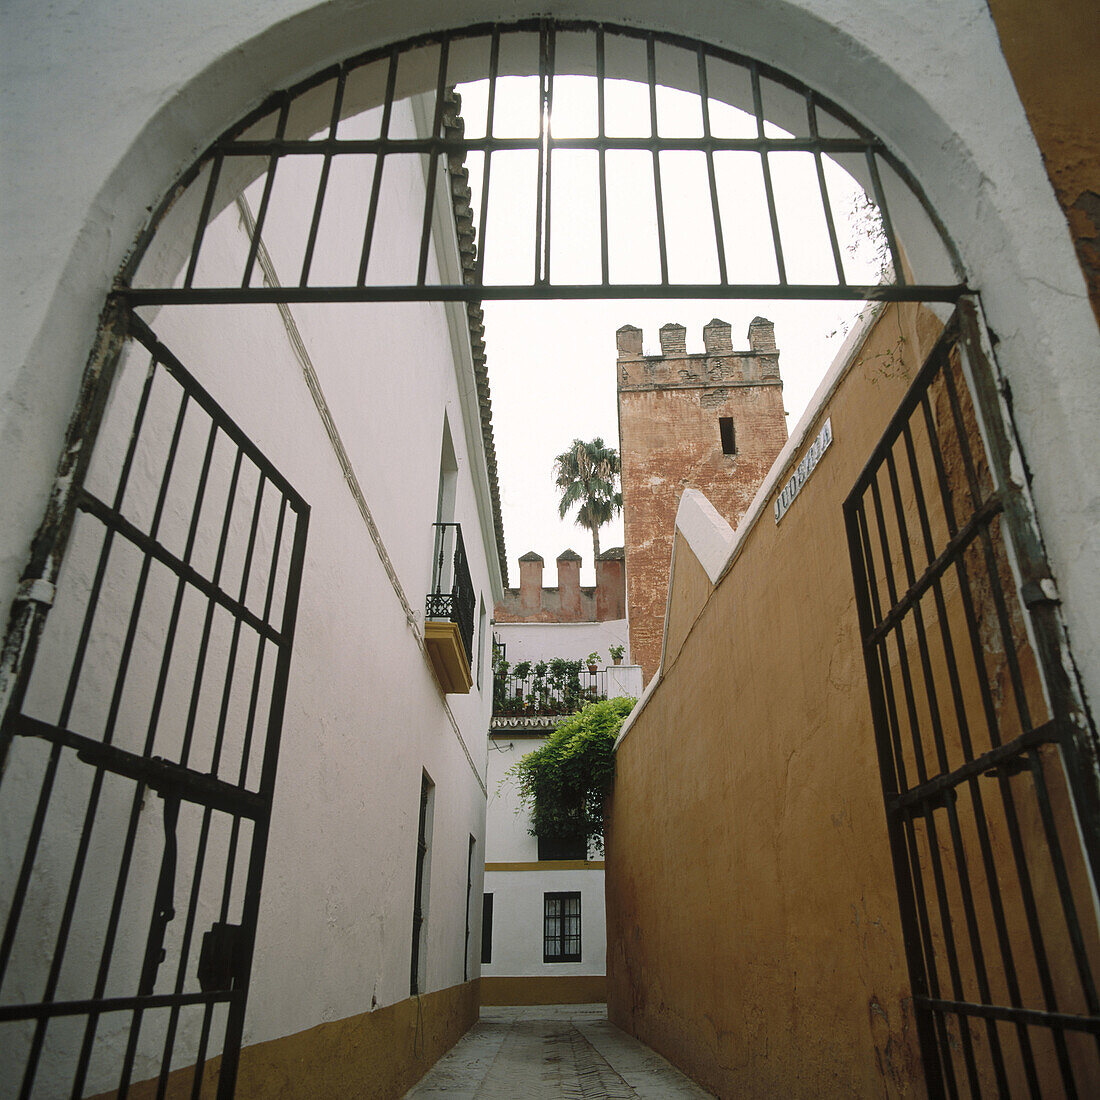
x=725, y=429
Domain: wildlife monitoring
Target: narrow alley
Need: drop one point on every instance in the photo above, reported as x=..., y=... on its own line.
x=552, y=1051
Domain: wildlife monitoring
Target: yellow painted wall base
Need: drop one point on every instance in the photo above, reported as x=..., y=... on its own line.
x=568, y=989
x=373, y=1056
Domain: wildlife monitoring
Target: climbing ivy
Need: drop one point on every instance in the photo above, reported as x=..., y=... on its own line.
x=564, y=783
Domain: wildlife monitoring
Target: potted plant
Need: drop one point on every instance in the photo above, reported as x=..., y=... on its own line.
x=540, y=689
x=520, y=672
x=617, y=652
x=593, y=662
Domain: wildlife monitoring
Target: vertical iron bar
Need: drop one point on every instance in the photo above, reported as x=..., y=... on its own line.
x=811, y=114
x=887, y=224
x=379, y=160
x=601, y=129
x=490, y=107
x=540, y=178
x=433, y=164
x=200, y=1055
x=758, y=108
x=269, y=185
x=704, y=100
x=322, y=185
x=651, y=63
x=204, y=218
x=548, y=111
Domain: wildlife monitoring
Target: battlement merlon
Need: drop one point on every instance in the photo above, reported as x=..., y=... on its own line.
x=719, y=364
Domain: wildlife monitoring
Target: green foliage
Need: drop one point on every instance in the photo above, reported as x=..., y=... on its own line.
x=564, y=783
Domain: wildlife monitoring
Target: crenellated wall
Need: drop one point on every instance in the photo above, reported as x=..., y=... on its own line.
x=568, y=602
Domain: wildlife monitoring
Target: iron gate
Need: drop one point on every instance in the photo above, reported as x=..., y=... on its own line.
x=311, y=129
x=987, y=761
x=141, y=738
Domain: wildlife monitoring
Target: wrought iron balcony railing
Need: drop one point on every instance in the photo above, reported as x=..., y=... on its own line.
x=547, y=696
x=452, y=596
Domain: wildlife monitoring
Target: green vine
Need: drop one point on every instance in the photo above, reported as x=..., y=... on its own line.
x=565, y=782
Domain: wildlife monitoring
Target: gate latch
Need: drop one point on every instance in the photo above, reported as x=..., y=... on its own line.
x=219, y=957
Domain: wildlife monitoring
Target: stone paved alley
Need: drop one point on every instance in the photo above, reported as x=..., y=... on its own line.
x=552, y=1052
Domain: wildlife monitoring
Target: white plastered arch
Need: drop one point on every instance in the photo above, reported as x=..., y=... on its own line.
x=110, y=100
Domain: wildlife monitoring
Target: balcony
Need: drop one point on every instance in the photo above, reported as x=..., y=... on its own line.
x=449, y=612
x=547, y=690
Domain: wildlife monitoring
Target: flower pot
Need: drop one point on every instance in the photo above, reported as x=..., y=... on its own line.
x=593, y=669
x=616, y=660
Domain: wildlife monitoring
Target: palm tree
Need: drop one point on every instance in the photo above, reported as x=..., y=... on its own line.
x=586, y=474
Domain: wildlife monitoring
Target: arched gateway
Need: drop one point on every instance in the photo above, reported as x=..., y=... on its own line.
x=312, y=175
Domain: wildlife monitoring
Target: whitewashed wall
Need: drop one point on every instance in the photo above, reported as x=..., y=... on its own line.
x=364, y=715
x=518, y=895
x=518, y=923
x=507, y=839
x=573, y=641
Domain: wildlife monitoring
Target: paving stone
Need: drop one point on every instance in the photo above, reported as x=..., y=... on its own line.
x=552, y=1052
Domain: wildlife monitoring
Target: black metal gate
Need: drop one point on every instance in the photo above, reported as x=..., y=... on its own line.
x=141, y=736
x=987, y=759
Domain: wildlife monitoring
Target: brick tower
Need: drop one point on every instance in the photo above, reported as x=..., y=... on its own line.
x=712, y=422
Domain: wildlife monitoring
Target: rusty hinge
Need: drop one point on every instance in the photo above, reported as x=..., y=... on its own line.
x=1039, y=591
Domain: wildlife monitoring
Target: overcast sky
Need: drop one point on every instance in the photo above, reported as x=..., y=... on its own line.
x=552, y=364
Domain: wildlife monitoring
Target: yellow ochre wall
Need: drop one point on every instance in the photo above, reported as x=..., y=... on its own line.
x=753, y=928
x=1053, y=52
x=754, y=936
x=377, y=1055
